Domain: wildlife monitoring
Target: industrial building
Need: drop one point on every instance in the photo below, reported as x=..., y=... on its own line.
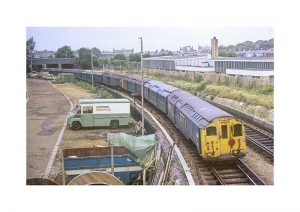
x=180, y=63
x=254, y=67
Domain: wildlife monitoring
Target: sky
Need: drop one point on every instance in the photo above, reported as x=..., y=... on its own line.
x=171, y=38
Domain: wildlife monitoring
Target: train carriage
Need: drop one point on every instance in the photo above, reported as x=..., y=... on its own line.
x=98, y=77
x=130, y=85
x=89, y=77
x=84, y=76
x=106, y=78
x=138, y=85
x=115, y=80
x=216, y=134
x=77, y=75
x=157, y=93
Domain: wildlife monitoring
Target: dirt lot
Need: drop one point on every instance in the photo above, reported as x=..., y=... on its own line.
x=89, y=137
x=46, y=112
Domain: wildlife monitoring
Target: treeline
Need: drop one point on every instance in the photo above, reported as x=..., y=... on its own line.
x=118, y=61
x=249, y=45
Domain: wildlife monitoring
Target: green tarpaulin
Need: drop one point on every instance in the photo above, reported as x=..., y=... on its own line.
x=141, y=146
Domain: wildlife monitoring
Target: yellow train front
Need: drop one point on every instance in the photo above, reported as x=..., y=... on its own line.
x=216, y=134
x=223, y=139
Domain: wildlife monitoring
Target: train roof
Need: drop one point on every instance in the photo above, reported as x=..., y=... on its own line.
x=113, y=74
x=97, y=72
x=161, y=88
x=135, y=78
x=196, y=109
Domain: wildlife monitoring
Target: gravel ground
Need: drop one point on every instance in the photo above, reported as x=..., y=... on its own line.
x=260, y=165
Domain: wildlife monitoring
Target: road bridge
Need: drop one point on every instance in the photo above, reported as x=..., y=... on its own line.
x=53, y=62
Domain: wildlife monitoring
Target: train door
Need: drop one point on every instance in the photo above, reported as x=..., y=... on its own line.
x=224, y=138
x=212, y=145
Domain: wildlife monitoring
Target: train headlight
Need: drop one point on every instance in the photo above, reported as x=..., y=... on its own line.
x=231, y=142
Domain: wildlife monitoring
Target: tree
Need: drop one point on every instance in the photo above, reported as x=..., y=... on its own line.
x=96, y=52
x=146, y=55
x=222, y=54
x=119, y=57
x=231, y=54
x=135, y=57
x=64, y=52
x=84, y=58
x=30, y=44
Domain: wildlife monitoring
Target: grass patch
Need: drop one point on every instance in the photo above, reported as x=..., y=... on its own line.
x=196, y=85
x=96, y=90
x=250, y=96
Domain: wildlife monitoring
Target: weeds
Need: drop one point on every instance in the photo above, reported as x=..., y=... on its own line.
x=96, y=90
x=195, y=84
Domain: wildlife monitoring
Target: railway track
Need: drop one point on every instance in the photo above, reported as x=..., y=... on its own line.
x=231, y=173
x=260, y=139
x=235, y=173
x=202, y=172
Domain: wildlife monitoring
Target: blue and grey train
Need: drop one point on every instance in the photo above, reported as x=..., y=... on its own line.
x=216, y=134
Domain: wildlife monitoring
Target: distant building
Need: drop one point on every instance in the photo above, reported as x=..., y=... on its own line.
x=126, y=52
x=214, y=48
x=187, y=51
x=203, y=50
x=256, y=53
x=76, y=53
x=44, y=54
x=253, y=66
x=180, y=63
x=107, y=55
x=152, y=53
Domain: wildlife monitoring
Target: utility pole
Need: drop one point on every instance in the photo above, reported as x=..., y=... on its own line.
x=142, y=85
x=66, y=54
x=31, y=62
x=92, y=68
x=112, y=157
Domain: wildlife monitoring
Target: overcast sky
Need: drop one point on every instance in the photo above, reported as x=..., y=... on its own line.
x=171, y=38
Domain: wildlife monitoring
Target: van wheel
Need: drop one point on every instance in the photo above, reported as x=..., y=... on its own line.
x=76, y=125
x=114, y=124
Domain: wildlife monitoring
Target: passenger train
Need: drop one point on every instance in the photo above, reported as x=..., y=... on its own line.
x=216, y=134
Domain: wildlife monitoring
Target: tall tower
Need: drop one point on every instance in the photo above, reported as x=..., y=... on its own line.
x=214, y=48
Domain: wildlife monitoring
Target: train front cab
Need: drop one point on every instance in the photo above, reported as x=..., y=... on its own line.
x=223, y=139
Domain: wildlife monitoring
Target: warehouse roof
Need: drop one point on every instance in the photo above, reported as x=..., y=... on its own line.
x=172, y=57
x=245, y=59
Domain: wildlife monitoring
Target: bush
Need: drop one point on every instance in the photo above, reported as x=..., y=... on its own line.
x=99, y=91
x=93, y=90
x=198, y=78
x=268, y=89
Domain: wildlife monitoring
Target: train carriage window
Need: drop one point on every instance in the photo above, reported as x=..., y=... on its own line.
x=87, y=109
x=237, y=130
x=211, y=131
x=224, y=131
